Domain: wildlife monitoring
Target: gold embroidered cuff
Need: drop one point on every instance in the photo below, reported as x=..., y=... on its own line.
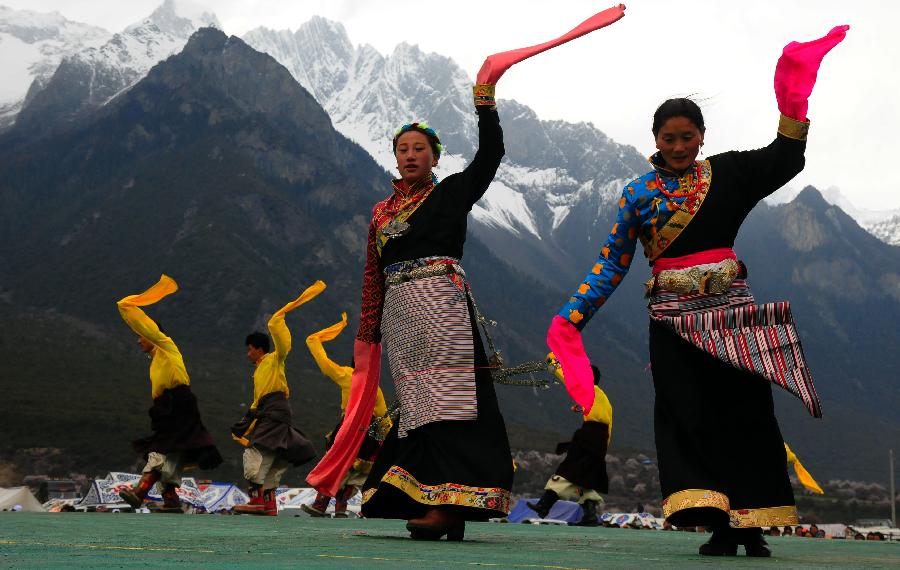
x=484, y=94
x=792, y=128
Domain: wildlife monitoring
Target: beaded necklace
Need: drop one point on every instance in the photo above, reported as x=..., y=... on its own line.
x=676, y=193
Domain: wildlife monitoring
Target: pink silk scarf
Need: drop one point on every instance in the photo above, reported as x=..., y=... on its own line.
x=796, y=71
x=496, y=65
x=701, y=257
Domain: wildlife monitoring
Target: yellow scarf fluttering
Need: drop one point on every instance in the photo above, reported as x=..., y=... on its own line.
x=802, y=474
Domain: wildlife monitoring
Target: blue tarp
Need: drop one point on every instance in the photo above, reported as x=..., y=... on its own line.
x=562, y=510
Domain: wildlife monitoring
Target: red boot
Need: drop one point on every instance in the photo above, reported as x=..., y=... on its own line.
x=269, y=504
x=318, y=507
x=256, y=506
x=171, y=502
x=340, y=501
x=136, y=495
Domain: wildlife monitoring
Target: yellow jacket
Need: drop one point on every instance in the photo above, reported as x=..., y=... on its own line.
x=166, y=366
x=340, y=375
x=601, y=411
x=269, y=374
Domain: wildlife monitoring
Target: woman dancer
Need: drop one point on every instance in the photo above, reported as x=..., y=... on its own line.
x=447, y=458
x=721, y=455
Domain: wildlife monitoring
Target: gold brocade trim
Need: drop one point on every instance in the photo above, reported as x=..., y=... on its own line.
x=692, y=499
x=654, y=246
x=714, y=280
x=484, y=90
x=792, y=128
x=483, y=95
x=495, y=499
x=765, y=517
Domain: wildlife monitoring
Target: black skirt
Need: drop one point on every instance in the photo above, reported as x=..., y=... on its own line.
x=720, y=452
x=461, y=465
x=585, y=462
x=177, y=428
x=274, y=430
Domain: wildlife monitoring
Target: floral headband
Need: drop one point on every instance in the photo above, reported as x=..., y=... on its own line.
x=426, y=130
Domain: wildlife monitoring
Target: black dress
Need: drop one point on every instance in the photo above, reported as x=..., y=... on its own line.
x=720, y=451
x=463, y=465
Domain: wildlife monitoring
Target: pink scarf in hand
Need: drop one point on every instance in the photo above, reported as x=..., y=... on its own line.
x=496, y=65
x=327, y=476
x=795, y=73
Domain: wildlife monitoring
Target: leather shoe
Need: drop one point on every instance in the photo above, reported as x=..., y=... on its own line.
x=435, y=524
x=721, y=543
x=755, y=544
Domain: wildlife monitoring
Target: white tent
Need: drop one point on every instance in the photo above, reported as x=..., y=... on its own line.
x=222, y=497
x=19, y=499
x=106, y=491
x=292, y=498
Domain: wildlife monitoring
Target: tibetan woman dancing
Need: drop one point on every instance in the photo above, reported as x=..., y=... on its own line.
x=720, y=451
x=447, y=459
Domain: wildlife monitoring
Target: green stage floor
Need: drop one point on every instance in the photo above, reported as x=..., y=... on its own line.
x=152, y=540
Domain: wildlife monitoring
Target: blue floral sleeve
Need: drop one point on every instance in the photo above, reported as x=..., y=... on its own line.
x=615, y=258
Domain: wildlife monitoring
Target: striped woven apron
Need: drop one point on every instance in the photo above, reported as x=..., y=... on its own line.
x=428, y=333
x=761, y=339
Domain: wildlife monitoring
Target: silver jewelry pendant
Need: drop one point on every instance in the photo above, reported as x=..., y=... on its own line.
x=395, y=228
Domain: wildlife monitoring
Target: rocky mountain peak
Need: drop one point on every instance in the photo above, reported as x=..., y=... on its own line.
x=92, y=77
x=811, y=197
x=179, y=18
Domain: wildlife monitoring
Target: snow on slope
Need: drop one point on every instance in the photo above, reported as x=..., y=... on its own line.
x=32, y=44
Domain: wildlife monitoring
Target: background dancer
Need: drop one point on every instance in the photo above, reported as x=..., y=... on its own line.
x=272, y=443
x=581, y=476
x=341, y=375
x=179, y=439
x=713, y=471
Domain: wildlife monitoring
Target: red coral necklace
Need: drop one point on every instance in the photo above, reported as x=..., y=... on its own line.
x=677, y=193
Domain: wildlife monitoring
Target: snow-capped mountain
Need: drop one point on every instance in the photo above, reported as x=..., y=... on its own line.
x=887, y=231
x=32, y=44
x=883, y=224
x=93, y=76
x=550, y=169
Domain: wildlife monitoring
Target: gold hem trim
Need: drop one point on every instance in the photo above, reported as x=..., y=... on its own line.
x=694, y=498
x=495, y=499
x=764, y=517
x=792, y=128
x=738, y=518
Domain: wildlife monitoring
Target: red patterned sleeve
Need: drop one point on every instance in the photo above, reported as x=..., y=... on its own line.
x=372, y=294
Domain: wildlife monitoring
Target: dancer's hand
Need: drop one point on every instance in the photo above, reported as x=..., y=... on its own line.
x=795, y=73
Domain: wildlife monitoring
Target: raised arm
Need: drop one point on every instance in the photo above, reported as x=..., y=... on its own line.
x=130, y=309
x=480, y=172
x=281, y=336
x=765, y=170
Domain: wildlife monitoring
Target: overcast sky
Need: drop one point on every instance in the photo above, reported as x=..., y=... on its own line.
x=724, y=52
